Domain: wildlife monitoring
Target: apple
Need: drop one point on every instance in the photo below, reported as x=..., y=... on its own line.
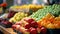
x=17, y=27
x=33, y=30
x=14, y=26
x=22, y=29
x=29, y=20
x=34, y=24
x=43, y=30
x=19, y=23
x=38, y=30
x=27, y=26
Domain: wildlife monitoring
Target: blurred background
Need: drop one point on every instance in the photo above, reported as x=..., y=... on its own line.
x=21, y=2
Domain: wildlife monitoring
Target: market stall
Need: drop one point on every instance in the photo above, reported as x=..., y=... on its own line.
x=30, y=17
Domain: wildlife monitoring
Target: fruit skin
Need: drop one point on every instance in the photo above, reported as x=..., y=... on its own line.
x=18, y=23
x=34, y=24
x=11, y=14
x=27, y=26
x=23, y=30
x=29, y=20
x=39, y=28
x=43, y=30
x=33, y=30
x=14, y=26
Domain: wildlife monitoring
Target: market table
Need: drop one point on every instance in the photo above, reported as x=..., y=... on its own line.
x=7, y=30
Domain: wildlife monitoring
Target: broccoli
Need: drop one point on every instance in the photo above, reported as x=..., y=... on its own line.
x=53, y=9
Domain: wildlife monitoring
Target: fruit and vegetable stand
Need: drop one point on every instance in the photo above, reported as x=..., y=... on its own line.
x=30, y=19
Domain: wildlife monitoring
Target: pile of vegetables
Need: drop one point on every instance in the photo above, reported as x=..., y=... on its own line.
x=53, y=9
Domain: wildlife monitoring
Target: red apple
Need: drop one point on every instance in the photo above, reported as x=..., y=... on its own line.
x=22, y=29
x=19, y=23
x=38, y=30
x=18, y=27
x=33, y=30
x=29, y=20
x=43, y=30
x=14, y=26
x=34, y=24
x=27, y=26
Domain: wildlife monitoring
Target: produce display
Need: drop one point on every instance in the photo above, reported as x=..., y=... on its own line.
x=29, y=26
x=27, y=7
x=11, y=14
x=53, y=9
x=5, y=23
x=18, y=16
x=44, y=20
x=50, y=21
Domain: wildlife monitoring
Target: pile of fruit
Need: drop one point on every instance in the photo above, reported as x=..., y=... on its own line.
x=30, y=7
x=37, y=23
x=50, y=21
x=48, y=17
x=11, y=14
x=5, y=23
x=29, y=26
x=53, y=9
x=18, y=16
